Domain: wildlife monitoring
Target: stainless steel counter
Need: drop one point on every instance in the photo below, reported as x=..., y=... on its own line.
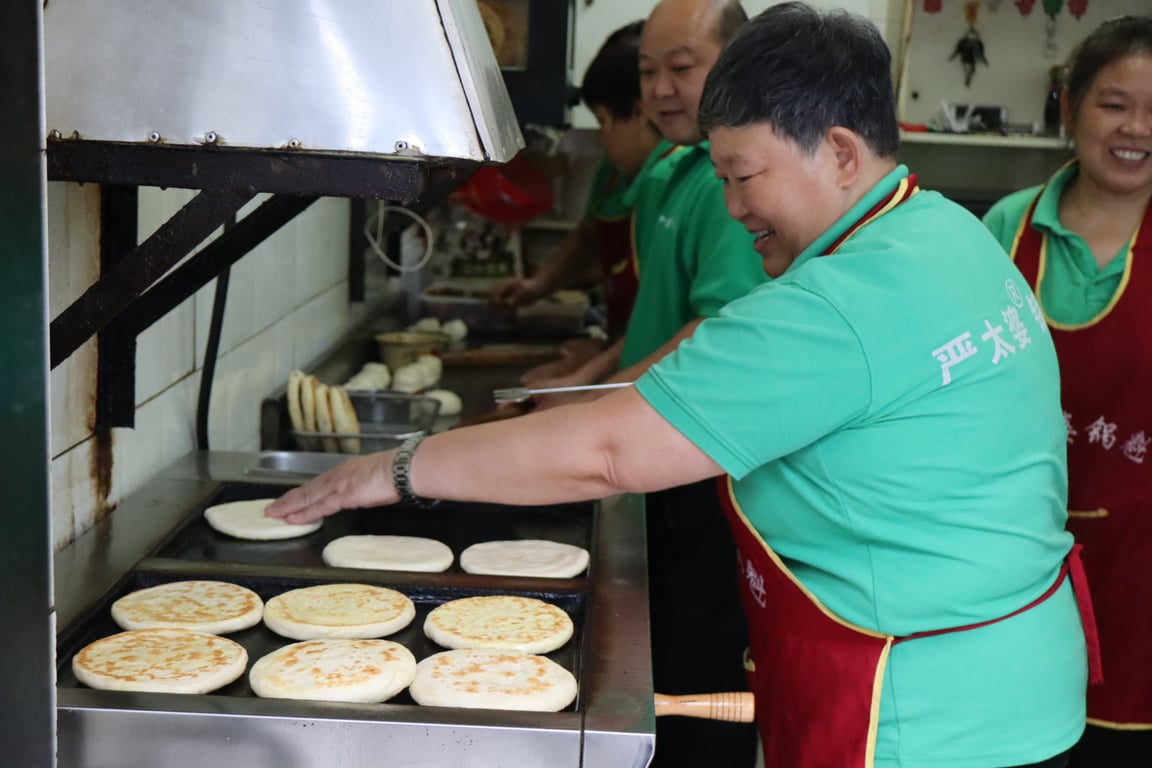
x=612, y=723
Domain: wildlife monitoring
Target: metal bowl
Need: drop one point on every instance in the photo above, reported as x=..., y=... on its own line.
x=386, y=417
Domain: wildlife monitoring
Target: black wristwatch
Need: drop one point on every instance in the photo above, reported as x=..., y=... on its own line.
x=402, y=474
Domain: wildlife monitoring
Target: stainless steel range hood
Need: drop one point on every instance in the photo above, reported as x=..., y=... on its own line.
x=399, y=100
x=388, y=78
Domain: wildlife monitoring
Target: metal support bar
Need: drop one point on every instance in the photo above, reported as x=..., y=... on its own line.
x=357, y=270
x=282, y=172
x=118, y=351
x=119, y=222
x=109, y=295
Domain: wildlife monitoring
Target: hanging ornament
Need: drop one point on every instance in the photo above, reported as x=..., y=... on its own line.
x=1025, y=6
x=1077, y=7
x=970, y=48
x=1051, y=9
x=933, y=6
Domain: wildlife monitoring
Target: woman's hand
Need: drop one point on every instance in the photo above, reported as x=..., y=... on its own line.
x=516, y=293
x=364, y=481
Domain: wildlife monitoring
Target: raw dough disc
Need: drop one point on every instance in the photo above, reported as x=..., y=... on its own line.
x=246, y=520
x=525, y=557
x=395, y=553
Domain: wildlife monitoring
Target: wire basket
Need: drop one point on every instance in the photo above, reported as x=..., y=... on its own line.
x=386, y=417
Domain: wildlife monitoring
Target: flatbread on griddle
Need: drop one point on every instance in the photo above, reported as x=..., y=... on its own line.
x=214, y=607
x=499, y=621
x=394, y=553
x=488, y=678
x=160, y=660
x=353, y=670
x=525, y=557
x=338, y=610
x=246, y=520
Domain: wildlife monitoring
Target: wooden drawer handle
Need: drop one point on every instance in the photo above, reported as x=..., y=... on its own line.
x=732, y=707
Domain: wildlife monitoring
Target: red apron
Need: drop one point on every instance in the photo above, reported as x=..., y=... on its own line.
x=621, y=274
x=1106, y=392
x=816, y=678
x=618, y=261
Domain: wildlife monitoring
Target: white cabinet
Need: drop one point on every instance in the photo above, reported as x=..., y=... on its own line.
x=596, y=19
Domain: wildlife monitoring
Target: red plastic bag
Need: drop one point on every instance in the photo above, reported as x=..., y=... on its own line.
x=510, y=194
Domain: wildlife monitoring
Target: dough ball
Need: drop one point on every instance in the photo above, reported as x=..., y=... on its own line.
x=450, y=404
x=410, y=378
x=456, y=330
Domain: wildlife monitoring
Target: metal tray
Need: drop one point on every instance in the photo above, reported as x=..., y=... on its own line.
x=260, y=641
x=457, y=525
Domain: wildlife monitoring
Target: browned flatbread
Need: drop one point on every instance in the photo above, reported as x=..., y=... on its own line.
x=488, y=678
x=160, y=660
x=295, y=412
x=344, y=419
x=308, y=401
x=338, y=610
x=215, y=607
x=363, y=671
x=499, y=621
x=324, y=418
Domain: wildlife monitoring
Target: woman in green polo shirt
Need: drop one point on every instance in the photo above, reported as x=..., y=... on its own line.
x=1085, y=239
x=885, y=419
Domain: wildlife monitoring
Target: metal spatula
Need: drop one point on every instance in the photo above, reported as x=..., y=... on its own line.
x=520, y=394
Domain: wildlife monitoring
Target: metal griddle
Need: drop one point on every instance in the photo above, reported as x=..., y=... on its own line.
x=159, y=535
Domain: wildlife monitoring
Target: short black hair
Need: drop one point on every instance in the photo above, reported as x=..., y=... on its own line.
x=612, y=80
x=1114, y=39
x=803, y=72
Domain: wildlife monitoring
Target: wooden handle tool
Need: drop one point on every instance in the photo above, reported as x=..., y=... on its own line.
x=732, y=707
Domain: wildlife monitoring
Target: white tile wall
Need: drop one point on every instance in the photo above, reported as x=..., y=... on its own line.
x=165, y=430
x=74, y=506
x=73, y=238
x=287, y=304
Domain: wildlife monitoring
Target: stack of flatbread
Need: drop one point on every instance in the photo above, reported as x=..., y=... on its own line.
x=499, y=621
x=160, y=660
x=213, y=607
x=246, y=520
x=318, y=408
x=353, y=670
x=338, y=610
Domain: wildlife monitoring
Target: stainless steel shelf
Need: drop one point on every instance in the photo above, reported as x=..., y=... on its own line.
x=985, y=140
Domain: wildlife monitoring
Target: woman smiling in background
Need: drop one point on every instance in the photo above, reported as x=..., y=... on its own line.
x=1084, y=242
